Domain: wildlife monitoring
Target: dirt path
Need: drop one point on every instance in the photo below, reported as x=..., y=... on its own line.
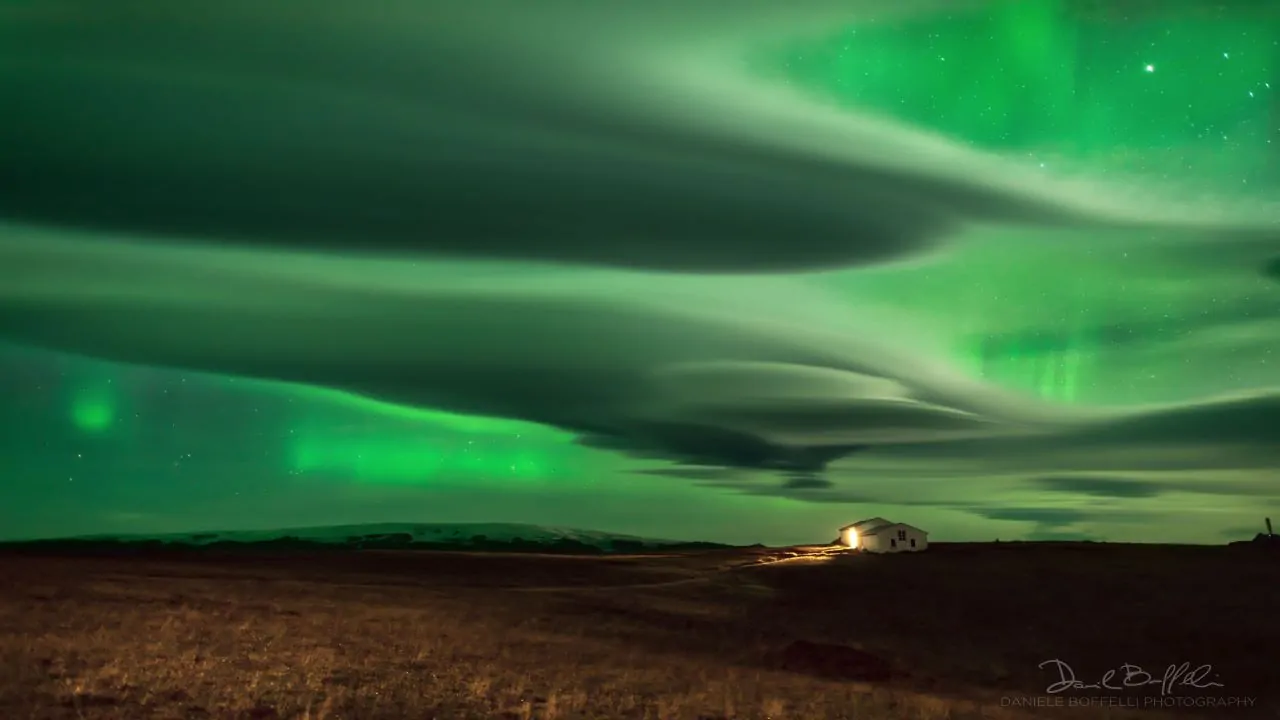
x=705, y=577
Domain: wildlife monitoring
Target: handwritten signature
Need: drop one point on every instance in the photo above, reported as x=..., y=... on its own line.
x=1132, y=676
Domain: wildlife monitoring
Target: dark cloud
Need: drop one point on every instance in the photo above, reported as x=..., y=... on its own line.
x=1149, y=486
x=1101, y=486
x=488, y=129
x=1272, y=269
x=1244, y=532
x=742, y=373
x=700, y=474
x=710, y=445
x=1244, y=420
x=717, y=374
x=807, y=482
x=1045, y=517
x=1051, y=524
x=168, y=182
x=1054, y=523
x=1059, y=536
x=1223, y=434
x=733, y=477
x=1039, y=341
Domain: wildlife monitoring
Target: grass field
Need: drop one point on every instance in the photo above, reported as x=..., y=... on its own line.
x=454, y=636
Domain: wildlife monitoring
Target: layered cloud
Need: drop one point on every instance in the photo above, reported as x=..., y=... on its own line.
x=559, y=197
x=739, y=372
x=608, y=133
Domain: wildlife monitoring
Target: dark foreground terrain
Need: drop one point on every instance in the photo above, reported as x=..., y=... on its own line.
x=956, y=632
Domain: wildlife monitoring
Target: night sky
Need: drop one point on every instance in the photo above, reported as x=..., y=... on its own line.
x=996, y=269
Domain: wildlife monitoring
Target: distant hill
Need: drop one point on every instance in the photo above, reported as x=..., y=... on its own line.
x=1261, y=540
x=494, y=537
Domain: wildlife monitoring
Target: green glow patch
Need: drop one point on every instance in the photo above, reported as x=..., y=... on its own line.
x=1183, y=96
x=457, y=422
x=384, y=458
x=93, y=412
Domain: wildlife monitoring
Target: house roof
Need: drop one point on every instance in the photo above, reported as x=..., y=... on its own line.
x=890, y=526
x=863, y=525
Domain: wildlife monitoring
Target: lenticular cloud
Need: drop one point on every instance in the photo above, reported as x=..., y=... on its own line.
x=627, y=134
x=513, y=209
x=735, y=372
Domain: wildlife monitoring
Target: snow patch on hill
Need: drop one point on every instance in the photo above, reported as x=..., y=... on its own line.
x=455, y=534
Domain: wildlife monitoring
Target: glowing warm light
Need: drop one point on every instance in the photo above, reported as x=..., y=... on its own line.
x=851, y=538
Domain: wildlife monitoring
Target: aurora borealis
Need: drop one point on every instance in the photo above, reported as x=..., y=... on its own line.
x=1000, y=269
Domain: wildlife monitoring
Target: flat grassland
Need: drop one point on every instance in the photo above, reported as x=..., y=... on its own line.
x=406, y=635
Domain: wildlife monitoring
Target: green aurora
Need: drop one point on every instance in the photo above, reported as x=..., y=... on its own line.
x=1163, y=97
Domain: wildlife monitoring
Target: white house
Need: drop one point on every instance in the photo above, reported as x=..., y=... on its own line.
x=878, y=535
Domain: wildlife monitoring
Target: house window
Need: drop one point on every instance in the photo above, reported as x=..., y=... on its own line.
x=902, y=534
x=893, y=543
x=913, y=542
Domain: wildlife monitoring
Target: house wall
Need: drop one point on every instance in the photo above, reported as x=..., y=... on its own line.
x=888, y=540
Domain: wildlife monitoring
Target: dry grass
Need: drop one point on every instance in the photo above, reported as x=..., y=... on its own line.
x=458, y=636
